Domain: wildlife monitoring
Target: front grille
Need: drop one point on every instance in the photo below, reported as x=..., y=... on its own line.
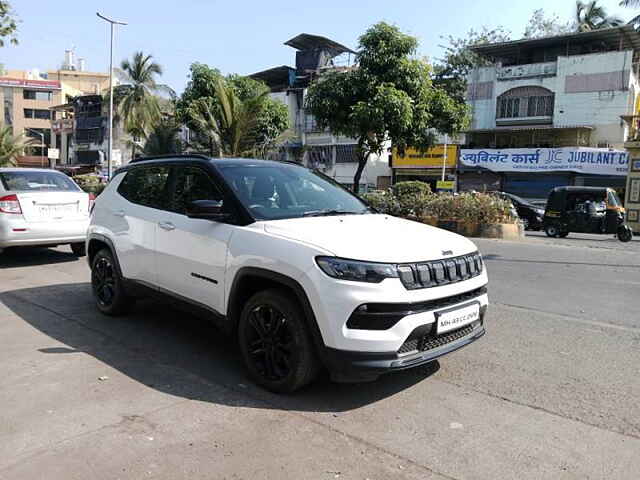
x=430, y=341
x=440, y=272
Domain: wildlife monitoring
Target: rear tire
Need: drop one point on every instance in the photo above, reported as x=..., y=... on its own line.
x=107, y=285
x=78, y=249
x=552, y=231
x=275, y=343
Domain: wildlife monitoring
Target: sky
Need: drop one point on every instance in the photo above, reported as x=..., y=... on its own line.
x=240, y=36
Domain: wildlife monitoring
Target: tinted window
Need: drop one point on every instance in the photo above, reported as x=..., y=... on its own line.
x=37, y=181
x=146, y=186
x=192, y=183
x=272, y=191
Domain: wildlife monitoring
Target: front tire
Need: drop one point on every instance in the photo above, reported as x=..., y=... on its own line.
x=107, y=285
x=275, y=343
x=78, y=249
x=624, y=233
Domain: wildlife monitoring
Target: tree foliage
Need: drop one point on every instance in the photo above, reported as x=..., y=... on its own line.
x=388, y=97
x=11, y=146
x=231, y=115
x=632, y=4
x=540, y=25
x=452, y=69
x=591, y=16
x=163, y=138
x=8, y=24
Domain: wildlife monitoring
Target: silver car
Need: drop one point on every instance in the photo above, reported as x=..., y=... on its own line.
x=42, y=207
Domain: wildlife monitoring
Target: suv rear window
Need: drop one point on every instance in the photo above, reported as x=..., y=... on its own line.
x=146, y=186
x=37, y=181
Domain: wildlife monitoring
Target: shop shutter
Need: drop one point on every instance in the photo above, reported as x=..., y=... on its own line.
x=536, y=186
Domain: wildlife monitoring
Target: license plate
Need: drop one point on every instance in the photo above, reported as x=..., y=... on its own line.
x=56, y=211
x=459, y=317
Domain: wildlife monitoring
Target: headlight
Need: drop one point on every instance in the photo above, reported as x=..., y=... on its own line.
x=540, y=211
x=355, y=270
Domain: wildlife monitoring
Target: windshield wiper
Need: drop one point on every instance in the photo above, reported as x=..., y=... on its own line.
x=327, y=213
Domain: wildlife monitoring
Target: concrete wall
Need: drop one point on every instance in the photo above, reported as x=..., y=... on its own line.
x=589, y=90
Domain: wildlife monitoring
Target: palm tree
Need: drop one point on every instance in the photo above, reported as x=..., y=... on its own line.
x=228, y=123
x=137, y=100
x=632, y=3
x=11, y=146
x=163, y=139
x=591, y=16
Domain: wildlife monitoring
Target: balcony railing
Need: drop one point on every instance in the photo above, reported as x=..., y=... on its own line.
x=528, y=70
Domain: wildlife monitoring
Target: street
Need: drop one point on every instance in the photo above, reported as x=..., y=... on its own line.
x=550, y=392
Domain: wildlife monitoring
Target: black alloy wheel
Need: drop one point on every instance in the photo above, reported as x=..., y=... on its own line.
x=625, y=234
x=107, y=285
x=270, y=342
x=552, y=231
x=274, y=341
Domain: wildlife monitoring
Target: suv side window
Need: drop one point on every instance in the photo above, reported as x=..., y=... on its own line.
x=192, y=183
x=146, y=186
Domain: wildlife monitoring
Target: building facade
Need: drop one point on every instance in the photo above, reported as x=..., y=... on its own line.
x=311, y=145
x=547, y=112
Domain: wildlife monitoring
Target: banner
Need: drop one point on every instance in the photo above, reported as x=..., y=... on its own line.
x=431, y=158
x=598, y=161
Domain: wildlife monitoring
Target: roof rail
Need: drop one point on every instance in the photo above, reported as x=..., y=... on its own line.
x=176, y=156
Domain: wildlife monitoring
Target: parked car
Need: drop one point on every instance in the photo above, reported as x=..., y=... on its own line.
x=301, y=271
x=530, y=214
x=42, y=207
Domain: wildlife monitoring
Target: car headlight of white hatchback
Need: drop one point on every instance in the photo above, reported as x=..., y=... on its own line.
x=355, y=270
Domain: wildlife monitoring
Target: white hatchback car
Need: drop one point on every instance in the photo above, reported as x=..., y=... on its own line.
x=301, y=271
x=42, y=207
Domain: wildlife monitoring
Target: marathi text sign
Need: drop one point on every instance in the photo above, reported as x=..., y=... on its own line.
x=598, y=161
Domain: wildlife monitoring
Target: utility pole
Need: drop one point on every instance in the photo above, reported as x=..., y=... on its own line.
x=444, y=157
x=109, y=159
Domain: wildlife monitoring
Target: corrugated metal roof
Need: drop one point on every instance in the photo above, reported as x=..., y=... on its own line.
x=613, y=37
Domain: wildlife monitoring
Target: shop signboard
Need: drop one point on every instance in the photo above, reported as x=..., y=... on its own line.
x=445, y=184
x=431, y=158
x=595, y=161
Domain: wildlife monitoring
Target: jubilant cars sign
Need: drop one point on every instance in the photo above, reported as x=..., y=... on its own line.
x=598, y=161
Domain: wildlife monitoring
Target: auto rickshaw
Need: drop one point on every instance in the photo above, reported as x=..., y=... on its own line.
x=585, y=210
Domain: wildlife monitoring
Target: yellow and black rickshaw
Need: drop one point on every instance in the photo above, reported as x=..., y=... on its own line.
x=585, y=210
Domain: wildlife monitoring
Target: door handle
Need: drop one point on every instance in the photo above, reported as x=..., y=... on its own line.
x=118, y=213
x=166, y=226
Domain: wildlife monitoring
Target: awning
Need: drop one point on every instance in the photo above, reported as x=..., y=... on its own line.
x=529, y=128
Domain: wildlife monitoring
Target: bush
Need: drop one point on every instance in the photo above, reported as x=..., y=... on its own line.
x=383, y=201
x=470, y=207
x=401, y=189
x=90, y=183
x=413, y=197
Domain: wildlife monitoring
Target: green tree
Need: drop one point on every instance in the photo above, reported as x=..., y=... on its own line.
x=163, y=139
x=136, y=98
x=11, y=146
x=8, y=24
x=388, y=97
x=591, y=16
x=450, y=72
x=540, y=25
x=231, y=115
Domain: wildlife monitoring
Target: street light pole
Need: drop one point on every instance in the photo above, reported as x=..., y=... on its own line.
x=42, y=143
x=109, y=159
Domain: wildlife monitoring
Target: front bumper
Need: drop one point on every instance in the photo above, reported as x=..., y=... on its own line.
x=347, y=365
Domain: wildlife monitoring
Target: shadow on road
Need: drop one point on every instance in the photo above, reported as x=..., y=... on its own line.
x=177, y=353
x=16, y=257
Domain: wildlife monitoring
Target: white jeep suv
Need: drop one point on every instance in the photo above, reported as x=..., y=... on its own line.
x=302, y=272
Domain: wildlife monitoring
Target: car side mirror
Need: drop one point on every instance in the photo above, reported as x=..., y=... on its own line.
x=207, y=210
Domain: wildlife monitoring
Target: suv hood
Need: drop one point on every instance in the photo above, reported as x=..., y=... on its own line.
x=373, y=237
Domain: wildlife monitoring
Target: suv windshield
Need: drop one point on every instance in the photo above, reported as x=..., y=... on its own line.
x=271, y=191
x=37, y=181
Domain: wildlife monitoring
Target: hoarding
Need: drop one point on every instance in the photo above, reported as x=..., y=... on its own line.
x=596, y=161
x=431, y=158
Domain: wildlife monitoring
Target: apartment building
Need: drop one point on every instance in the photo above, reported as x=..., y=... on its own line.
x=548, y=112
x=313, y=146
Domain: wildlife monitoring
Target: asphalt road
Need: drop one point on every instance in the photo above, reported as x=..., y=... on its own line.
x=550, y=392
